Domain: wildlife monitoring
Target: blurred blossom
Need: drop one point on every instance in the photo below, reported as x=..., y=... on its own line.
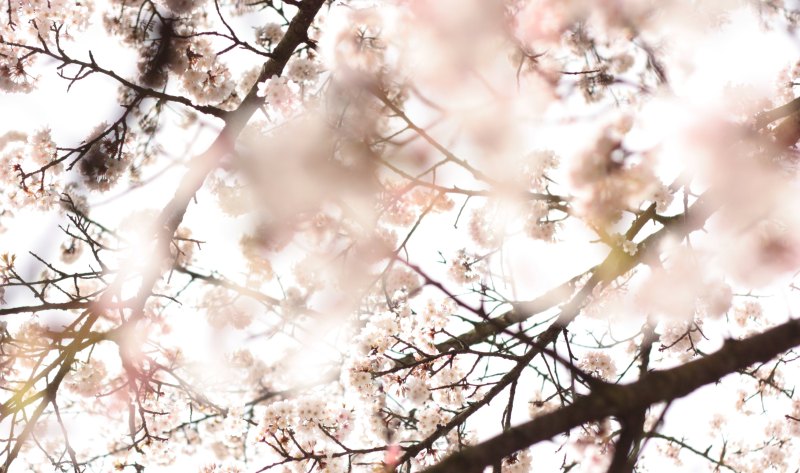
x=465, y=269
x=543, y=21
x=673, y=290
x=222, y=309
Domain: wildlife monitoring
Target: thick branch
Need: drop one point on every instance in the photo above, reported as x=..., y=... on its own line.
x=622, y=401
x=765, y=118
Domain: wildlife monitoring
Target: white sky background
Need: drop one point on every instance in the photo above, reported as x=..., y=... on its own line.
x=699, y=72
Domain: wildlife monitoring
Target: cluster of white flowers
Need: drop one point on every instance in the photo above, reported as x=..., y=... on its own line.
x=484, y=227
x=182, y=249
x=775, y=429
x=38, y=15
x=400, y=212
x=33, y=19
x=451, y=376
x=10, y=137
x=429, y=418
x=402, y=206
x=87, y=379
x=41, y=148
x=208, y=85
x=537, y=210
x=310, y=408
x=359, y=47
x=676, y=289
x=378, y=335
x=380, y=243
x=600, y=364
x=270, y=33
x=74, y=199
x=277, y=93
x=681, y=336
x=164, y=411
x=321, y=229
x=536, y=224
x=772, y=457
x=402, y=278
x=464, y=269
x=14, y=76
x=19, y=151
x=234, y=426
x=35, y=193
x=304, y=416
x=30, y=333
x=794, y=424
x=357, y=376
x=672, y=452
x=303, y=70
x=435, y=314
x=535, y=167
x=607, y=181
x=416, y=390
x=309, y=274
x=278, y=415
x=294, y=301
x=105, y=161
x=201, y=73
x=424, y=198
x=748, y=311
x=662, y=197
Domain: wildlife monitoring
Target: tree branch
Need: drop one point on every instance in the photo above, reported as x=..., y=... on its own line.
x=621, y=401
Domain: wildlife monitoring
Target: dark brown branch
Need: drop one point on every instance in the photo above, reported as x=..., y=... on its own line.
x=623, y=400
x=765, y=118
x=47, y=306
